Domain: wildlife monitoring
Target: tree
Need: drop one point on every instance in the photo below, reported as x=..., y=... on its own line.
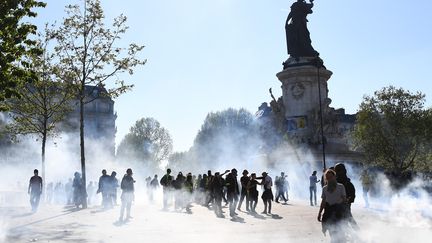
x=44, y=102
x=229, y=134
x=15, y=45
x=393, y=130
x=146, y=141
x=88, y=50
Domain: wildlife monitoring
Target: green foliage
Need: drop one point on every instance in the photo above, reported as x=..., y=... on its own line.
x=393, y=130
x=146, y=141
x=15, y=45
x=44, y=102
x=89, y=51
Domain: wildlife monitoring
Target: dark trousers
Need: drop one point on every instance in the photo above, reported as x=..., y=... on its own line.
x=242, y=197
x=34, y=201
x=279, y=194
x=232, y=200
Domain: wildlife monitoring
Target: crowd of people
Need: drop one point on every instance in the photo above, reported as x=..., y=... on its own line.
x=210, y=190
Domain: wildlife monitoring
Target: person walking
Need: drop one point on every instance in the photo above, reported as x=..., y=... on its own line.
x=35, y=190
x=127, y=196
x=313, y=180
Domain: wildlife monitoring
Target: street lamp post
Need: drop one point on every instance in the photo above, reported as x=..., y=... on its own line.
x=319, y=64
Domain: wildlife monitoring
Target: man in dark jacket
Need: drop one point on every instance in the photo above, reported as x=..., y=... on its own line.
x=166, y=182
x=232, y=191
x=342, y=178
x=127, y=196
x=244, y=180
x=103, y=187
x=35, y=190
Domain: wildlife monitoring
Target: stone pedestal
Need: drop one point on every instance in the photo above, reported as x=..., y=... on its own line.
x=301, y=98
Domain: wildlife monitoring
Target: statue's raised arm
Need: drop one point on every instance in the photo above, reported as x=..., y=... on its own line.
x=298, y=38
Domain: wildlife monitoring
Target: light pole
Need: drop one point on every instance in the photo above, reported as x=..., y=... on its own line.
x=319, y=64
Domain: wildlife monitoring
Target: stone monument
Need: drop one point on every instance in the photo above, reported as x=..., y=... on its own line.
x=303, y=112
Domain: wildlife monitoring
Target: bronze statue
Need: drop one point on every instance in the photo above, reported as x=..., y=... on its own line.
x=298, y=38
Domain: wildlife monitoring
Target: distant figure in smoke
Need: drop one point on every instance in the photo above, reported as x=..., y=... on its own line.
x=49, y=193
x=35, y=190
x=281, y=187
x=244, y=180
x=166, y=182
x=342, y=178
x=333, y=204
x=267, y=195
x=188, y=191
x=154, y=184
x=127, y=196
x=232, y=191
x=366, y=184
x=59, y=195
x=113, y=185
x=217, y=184
x=78, y=188
x=91, y=190
x=178, y=185
x=209, y=190
x=252, y=192
x=103, y=187
x=313, y=180
x=68, y=191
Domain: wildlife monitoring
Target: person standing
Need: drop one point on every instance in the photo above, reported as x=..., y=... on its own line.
x=78, y=188
x=154, y=184
x=342, y=178
x=366, y=184
x=166, y=182
x=253, y=192
x=113, y=185
x=35, y=190
x=127, y=196
x=244, y=180
x=313, y=180
x=267, y=195
x=103, y=187
x=333, y=205
x=232, y=191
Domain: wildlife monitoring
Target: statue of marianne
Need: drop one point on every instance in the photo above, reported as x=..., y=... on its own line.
x=298, y=38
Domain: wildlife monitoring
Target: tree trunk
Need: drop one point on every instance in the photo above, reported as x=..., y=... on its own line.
x=83, y=170
x=44, y=138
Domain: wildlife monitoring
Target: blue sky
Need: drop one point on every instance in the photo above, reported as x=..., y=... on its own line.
x=209, y=55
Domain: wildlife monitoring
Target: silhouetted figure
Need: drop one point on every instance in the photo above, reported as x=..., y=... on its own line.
x=333, y=205
x=281, y=187
x=68, y=191
x=78, y=188
x=253, y=192
x=91, y=190
x=298, y=37
x=217, y=191
x=166, y=182
x=178, y=185
x=154, y=184
x=267, y=195
x=49, y=193
x=59, y=193
x=35, y=190
x=313, y=180
x=244, y=180
x=103, y=188
x=127, y=196
x=188, y=191
x=209, y=183
x=342, y=178
x=232, y=191
x=112, y=188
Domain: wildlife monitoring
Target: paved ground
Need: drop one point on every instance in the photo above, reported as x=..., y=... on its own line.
x=294, y=222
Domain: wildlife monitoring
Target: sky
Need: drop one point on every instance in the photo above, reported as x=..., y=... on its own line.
x=208, y=55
